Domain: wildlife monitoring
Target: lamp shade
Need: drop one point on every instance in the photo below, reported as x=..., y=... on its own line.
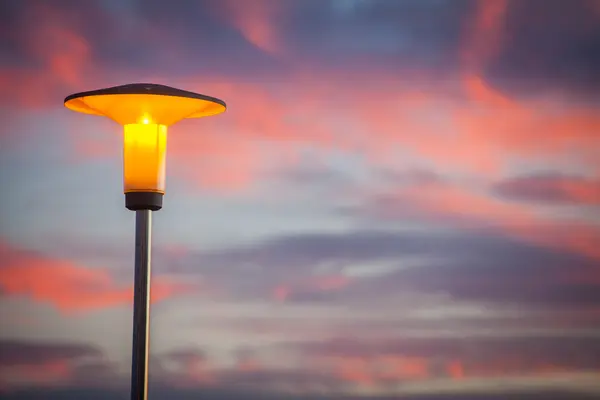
x=145, y=111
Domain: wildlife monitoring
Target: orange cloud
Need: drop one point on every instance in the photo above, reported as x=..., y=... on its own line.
x=357, y=370
x=456, y=370
x=480, y=91
x=374, y=370
x=70, y=287
x=377, y=370
x=401, y=368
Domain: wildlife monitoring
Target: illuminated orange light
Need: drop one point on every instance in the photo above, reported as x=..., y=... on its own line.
x=145, y=111
x=144, y=157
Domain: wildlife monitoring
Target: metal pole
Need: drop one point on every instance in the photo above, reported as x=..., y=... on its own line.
x=141, y=305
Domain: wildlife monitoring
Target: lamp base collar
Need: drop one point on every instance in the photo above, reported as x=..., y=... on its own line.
x=135, y=201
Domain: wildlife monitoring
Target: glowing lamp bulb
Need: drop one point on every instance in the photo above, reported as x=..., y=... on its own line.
x=145, y=111
x=144, y=154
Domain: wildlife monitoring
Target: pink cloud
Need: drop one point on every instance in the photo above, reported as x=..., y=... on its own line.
x=62, y=54
x=68, y=286
x=326, y=283
x=257, y=24
x=479, y=210
x=484, y=35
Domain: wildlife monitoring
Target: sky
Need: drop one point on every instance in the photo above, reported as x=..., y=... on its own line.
x=401, y=201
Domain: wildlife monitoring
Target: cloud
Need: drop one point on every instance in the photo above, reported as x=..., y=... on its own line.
x=553, y=188
x=368, y=266
x=25, y=363
x=26, y=353
x=258, y=24
x=472, y=208
x=419, y=365
x=456, y=365
x=337, y=367
x=247, y=360
x=67, y=286
x=575, y=351
x=485, y=34
x=191, y=367
x=55, y=57
x=458, y=360
x=310, y=289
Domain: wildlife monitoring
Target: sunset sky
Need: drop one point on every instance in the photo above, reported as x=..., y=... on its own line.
x=402, y=199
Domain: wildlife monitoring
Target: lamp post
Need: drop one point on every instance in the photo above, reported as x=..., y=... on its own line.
x=145, y=111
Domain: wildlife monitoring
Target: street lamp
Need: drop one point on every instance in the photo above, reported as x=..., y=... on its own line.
x=145, y=111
